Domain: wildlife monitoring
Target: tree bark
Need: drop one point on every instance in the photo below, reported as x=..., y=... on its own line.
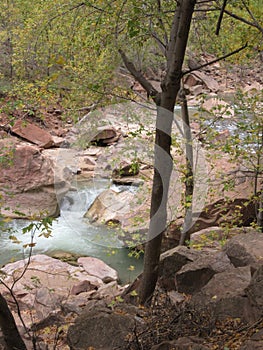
x=162, y=171
x=7, y=323
x=260, y=211
x=189, y=173
x=163, y=161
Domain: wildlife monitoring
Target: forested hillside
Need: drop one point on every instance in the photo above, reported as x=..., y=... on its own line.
x=67, y=51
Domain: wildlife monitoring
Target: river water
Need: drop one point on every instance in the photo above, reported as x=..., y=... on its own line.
x=74, y=234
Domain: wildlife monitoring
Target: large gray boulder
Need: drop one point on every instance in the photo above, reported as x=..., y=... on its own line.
x=225, y=295
x=195, y=275
x=172, y=261
x=103, y=328
x=217, y=287
x=245, y=248
x=188, y=270
x=255, y=291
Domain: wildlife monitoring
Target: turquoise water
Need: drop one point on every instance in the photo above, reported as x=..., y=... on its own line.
x=74, y=234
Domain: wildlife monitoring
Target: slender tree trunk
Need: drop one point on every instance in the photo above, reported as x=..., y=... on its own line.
x=260, y=211
x=163, y=162
x=259, y=169
x=162, y=172
x=189, y=174
x=7, y=324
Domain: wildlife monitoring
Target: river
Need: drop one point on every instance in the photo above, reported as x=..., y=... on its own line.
x=74, y=234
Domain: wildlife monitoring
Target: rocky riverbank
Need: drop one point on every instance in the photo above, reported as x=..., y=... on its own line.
x=209, y=298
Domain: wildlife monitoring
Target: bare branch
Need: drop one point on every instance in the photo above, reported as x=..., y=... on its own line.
x=253, y=17
x=117, y=30
x=125, y=98
x=241, y=19
x=253, y=23
x=159, y=6
x=216, y=60
x=66, y=11
x=151, y=91
x=159, y=42
x=220, y=18
x=204, y=2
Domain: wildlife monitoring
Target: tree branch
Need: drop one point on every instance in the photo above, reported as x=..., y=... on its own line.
x=151, y=91
x=159, y=42
x=216, y=60
x=255, y=21
x=159, y=5
x=203, y=2
x=173, y=36
x=241, y=19
x=220, y=17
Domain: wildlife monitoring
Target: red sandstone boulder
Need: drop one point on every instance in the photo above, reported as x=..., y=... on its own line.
x=32, y=133
x=96, y=267
x=106, y=136
x=30, y=181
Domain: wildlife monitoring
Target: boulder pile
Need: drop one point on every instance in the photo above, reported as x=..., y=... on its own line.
x=211, y=286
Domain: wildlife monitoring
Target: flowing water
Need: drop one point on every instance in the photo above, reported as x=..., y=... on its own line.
x=74, y=234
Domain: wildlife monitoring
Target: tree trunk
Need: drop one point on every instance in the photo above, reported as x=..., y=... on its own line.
x=162, y=171
x=163, y=161
x=260, y=211
x=7, y=324
x=189, y=174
